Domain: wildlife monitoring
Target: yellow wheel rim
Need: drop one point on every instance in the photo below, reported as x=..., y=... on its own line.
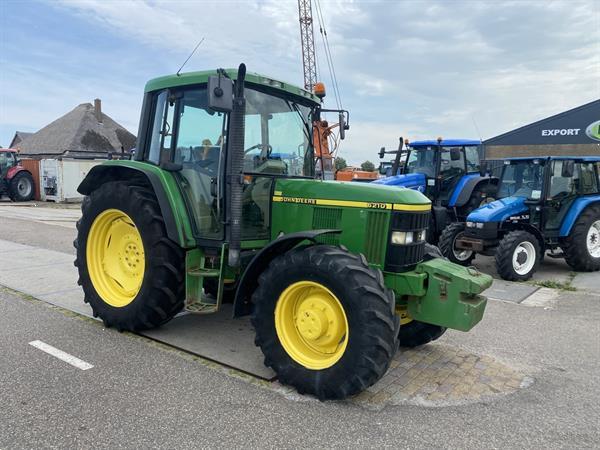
x=115, y=257
x=311, y=325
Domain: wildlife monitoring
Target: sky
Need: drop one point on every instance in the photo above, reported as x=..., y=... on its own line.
x=418, y=69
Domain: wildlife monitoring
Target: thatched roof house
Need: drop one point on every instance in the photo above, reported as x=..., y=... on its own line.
x=18, y=138
x=83, y=132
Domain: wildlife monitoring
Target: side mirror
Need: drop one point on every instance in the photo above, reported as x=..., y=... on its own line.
x=220, y=93
x=381, y=152
x=455, y=154
x=568, y=169
x=483, y=168
x=343, y=125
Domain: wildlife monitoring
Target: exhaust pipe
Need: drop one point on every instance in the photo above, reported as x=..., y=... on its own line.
x=236, y=160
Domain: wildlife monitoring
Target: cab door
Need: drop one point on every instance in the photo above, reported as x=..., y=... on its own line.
x=188, y=139
x=562, y=192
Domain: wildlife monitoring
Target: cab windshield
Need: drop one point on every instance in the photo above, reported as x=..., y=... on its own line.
x=522, y=179
x=277, y=136
x=421, y=160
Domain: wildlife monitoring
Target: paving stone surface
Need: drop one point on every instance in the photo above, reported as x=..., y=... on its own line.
x=441, y=375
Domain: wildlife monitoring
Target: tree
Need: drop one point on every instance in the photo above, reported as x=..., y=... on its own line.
x=340, y=163
x=368, y=166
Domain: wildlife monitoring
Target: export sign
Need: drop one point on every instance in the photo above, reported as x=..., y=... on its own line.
x=563, y=132
x=578, y=126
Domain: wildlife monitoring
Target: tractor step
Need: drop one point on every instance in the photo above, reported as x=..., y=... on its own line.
x=204, y=273
x=207, y=305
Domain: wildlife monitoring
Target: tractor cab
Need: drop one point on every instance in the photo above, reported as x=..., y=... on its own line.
x=447, y=172
x=548, y=203
x=8, y=159
x=436, y=167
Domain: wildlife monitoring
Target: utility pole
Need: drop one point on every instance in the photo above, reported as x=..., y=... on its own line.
x=307, y=39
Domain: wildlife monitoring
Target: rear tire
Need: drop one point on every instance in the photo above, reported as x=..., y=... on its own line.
x=479, y=197
x=518, y=256
x=582, y=246
x=370, y=338
x=22, y=188
x=448, y=248
x=161, y=293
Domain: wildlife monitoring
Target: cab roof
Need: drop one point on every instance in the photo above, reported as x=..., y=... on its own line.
x=188, y=78
x=8, y=150
x=445, y=143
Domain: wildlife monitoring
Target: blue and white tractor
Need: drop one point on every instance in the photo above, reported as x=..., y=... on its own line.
x=549, y=204
x=446, y=171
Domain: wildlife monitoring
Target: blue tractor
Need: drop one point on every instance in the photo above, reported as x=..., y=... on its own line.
x=544, y=204
x=446, y=171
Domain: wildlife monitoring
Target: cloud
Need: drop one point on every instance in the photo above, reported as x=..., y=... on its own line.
x=412, y=68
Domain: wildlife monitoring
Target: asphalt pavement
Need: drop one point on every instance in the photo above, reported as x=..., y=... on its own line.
x=142, y=394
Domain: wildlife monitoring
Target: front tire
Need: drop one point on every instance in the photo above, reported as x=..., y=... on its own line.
x=325, y=321
x=22, y=187
x=448, y=248
x=518, y=256
x=582, y=246
x=132, y=275
x=415, y=333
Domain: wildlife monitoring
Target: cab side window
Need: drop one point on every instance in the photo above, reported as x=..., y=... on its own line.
x=561, y=187
x=160, y=138
x=587, y=181
x=472, y=154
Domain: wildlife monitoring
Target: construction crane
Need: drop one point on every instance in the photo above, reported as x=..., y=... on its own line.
x=307, y=39
x=321, y=129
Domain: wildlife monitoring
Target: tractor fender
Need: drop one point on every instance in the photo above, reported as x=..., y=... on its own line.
x=15, y=170
x=465, y=187
x=575, y=210
x=249, y=280
x=104, y=173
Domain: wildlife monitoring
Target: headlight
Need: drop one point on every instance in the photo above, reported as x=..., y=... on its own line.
x=475, y=225
x=407, y=237
x=398, y=237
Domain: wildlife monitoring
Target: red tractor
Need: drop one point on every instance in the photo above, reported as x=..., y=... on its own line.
x=15, y=180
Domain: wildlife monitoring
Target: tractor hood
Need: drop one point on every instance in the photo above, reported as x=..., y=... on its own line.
x=499, y=210
x=415, y=181
x=346, y=193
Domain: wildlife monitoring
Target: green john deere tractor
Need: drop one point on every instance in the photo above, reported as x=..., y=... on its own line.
x=221, y=204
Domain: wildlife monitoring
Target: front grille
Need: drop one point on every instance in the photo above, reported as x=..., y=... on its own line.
x=327, y=219
x=375, y=236
x=409, y=221
x=400, y=258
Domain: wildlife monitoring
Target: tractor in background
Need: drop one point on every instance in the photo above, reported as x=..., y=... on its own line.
x=447, y=172
x=544, y=204
x=221, y=203
x=15, y=181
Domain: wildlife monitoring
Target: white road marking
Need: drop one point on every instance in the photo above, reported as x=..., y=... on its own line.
x=74, y=361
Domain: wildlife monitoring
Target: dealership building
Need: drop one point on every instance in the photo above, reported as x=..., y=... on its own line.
x=571, y=133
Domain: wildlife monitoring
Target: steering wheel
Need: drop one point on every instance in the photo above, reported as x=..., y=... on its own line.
x=531, y=185
x=261, y=146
